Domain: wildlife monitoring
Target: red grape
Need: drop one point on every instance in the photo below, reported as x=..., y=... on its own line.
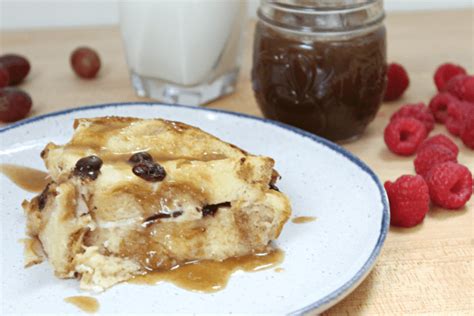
x=85, y=62
x=17, y=66
x=14, y=104
x=4, y=77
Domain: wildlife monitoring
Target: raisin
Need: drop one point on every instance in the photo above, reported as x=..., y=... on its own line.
x=153, y=218
x=140, y=157
x=177, y=213
x=274, y=179
x=43, y=197
x=149, y=171
x=88, y=167
x=156, y=216
x=274, y=187
x=211, y=209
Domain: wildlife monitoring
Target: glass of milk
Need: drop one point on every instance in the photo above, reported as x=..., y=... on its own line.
x=183, y=51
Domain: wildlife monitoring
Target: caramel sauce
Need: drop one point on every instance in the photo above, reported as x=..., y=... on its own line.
x=112, y=157
x=332, y=88
x=28, y=179
x=96, y=140
x=153, y=201
x=204, y=157
x=32, y=245
x=86, y=303
x=151, y=245
x=211, y=276
x=98, y=134
x=303, y=219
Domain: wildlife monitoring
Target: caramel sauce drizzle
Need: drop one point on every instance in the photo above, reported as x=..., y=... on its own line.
x=211, y=276
x=85, y=303
x=94, y=140
x=303, y=219
x=28, y=179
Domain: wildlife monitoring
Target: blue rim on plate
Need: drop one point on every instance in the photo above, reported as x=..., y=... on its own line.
x=385, y=217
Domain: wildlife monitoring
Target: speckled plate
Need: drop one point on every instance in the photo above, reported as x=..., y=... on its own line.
x=324, y=260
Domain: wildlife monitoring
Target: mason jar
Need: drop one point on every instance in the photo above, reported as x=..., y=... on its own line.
x=320, y=64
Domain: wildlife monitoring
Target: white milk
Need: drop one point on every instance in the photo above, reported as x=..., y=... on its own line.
x=182, y=42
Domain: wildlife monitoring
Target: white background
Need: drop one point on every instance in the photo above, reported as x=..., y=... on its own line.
x=19, y=14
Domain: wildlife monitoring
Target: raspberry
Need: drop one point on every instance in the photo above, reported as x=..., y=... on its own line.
x=418, y=111
x=397, y=82
x=446, y=72
x=431, y=156
x=439, y=140
x=455, y=116
x=467, y=133
x=462, y=87
x=439, y=106
x=450, y=185
x=404, y=135
x=409, y=200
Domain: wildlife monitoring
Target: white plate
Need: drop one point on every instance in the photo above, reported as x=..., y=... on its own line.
x=324, y=260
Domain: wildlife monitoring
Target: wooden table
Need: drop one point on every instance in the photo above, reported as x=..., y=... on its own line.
x=426, y=269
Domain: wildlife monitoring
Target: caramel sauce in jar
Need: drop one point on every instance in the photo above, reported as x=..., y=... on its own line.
x=319, y=71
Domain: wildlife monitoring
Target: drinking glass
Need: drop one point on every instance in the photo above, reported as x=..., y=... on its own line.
x=183, y=51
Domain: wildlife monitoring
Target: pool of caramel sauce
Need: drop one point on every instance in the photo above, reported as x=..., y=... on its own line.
x=85, y=303
x=28, y=179
x=303, y=219
x=211, y=276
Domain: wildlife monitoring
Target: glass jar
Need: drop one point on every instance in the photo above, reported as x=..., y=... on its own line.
x=320, y=64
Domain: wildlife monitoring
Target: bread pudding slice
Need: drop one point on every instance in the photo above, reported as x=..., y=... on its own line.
x=129, y=195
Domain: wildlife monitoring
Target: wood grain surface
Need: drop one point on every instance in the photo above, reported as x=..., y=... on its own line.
x=426, y=269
